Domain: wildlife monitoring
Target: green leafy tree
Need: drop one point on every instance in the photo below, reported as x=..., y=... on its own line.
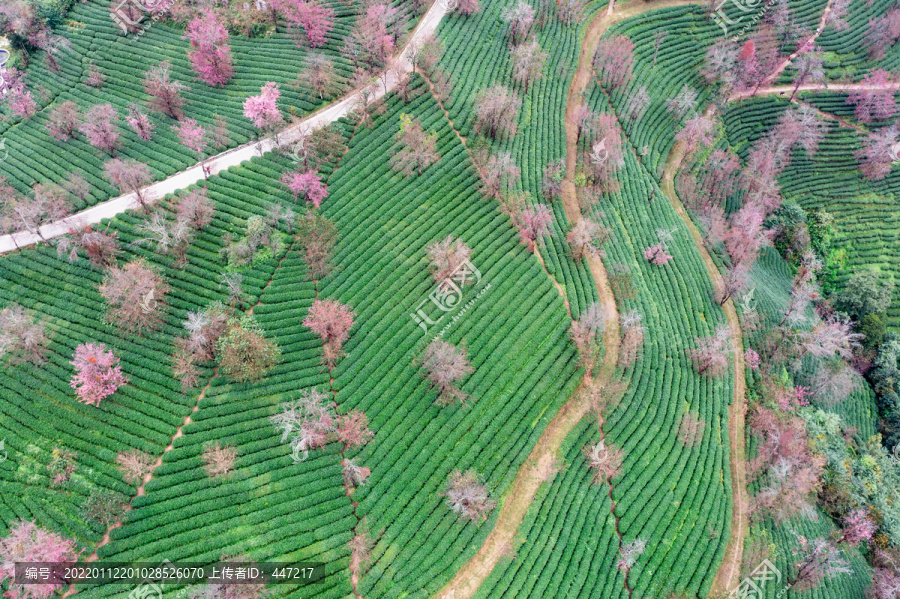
x=866, y=293
x=244, y=352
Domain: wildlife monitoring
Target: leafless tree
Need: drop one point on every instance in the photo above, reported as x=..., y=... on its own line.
x=445, y=256
x=218, y=459
x=318, y=76
x=817, y=560
x=164, y=91
x=520, y=18
x=496, y=111
x=690, y=432
x=528, y=61
x=586, y=238
x=445, y=365
x=134, y=465
x=712, y=355
x=629, y=554
x=499, y=174
x=135, y=294
x=22, y=335
x=468, y=497
x=605, y=460
x=130, y=176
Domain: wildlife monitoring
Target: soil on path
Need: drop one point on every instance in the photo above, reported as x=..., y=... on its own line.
x=785, y=90
x=534, y=470
x=729, y=570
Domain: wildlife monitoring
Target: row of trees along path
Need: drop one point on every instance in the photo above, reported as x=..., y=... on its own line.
x=399, y=66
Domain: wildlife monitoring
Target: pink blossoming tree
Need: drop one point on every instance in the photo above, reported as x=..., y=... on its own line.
x=308, y=184
x=534, y=223
x=263, y=109
x=97, y=373
x=210, y=54
x=192, y=136
x=656, y=254
x=331, y=321
x=314, y=19
x=100, y=128
x=27, y=542
x=877, y=103
x=138, y=120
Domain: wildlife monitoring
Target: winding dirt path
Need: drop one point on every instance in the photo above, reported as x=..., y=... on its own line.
x=540, y=463
x=801, y=47
x=730, y=569
x=534, y=470
x=831, y=87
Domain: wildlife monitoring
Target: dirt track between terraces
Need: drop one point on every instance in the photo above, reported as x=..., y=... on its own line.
x=530, y=476
x=813, y=87
x=729, y=570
